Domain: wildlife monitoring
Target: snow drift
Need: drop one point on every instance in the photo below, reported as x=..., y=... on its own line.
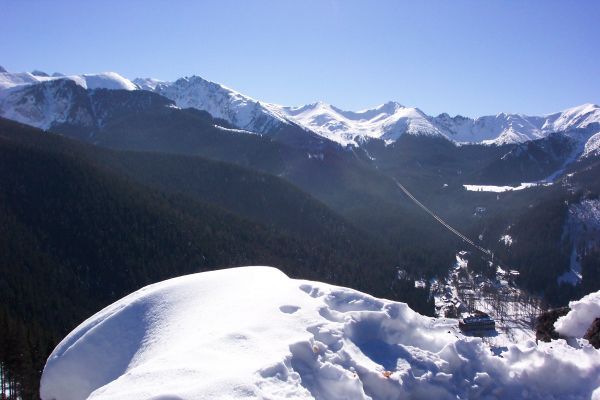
x=255, y=333
x=579, y=319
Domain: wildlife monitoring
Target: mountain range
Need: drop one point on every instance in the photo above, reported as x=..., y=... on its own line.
x=47, y=104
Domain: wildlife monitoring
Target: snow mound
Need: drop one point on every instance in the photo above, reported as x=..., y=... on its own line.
x=105, y=80
x=253, y=333
x=579, y=319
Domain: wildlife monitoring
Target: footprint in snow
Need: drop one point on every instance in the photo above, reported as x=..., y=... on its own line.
x=289, y=309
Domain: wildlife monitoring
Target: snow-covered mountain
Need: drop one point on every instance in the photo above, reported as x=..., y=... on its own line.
x=253, y=333
x=391, y=120
x=54, y=102
x=517, y=128
x=220, y=101
x=104, y=80
x=388, y=121
x=41, y=100
x=45, y=103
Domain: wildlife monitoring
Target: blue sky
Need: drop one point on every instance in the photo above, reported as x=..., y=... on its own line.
x=462, y=57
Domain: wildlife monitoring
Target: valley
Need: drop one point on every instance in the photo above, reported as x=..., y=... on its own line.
x=142, y=180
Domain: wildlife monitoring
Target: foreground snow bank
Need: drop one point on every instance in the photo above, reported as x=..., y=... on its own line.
x=579, y=319
x=254, y=333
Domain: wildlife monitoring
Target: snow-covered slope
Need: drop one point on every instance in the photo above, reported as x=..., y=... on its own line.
x=516, y=128
x=40, y=100
x=387, y=121
x=253, y=333
x=57, y=102
x=220, y=101
x=494, y=129
x=104, y=80
x=592, y=146
x=391, y=120
x=46, y=103
x=579, y=319
x=572, y=118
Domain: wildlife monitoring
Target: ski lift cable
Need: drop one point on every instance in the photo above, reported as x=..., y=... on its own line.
x=441, y=221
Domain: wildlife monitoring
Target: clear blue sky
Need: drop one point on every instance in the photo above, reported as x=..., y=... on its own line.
x=467, y=57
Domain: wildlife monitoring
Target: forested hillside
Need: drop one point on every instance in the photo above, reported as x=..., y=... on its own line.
x=75, y=236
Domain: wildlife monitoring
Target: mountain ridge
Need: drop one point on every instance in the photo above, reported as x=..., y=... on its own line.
x=387, y=121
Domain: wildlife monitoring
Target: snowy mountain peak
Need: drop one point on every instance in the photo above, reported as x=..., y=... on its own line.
x=2, y=69
x=505, y=128
x=387, y=121
x=389, y=107
x=220, y=101
x=149, y=84
x=104, y=80
x=576, y=117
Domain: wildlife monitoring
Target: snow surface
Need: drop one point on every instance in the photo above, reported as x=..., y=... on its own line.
x=572, y=118
x=391, y=120
x=502, y=128
x=218, y=100
x=43, y=105
x=252, y=332
x=104, y=80
x=500, y=189
x=506, y=239
x=41, y=100
x=463, y=290
x=579, y=319
x=592, y=146
x=506, y=128
x=387, y=121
